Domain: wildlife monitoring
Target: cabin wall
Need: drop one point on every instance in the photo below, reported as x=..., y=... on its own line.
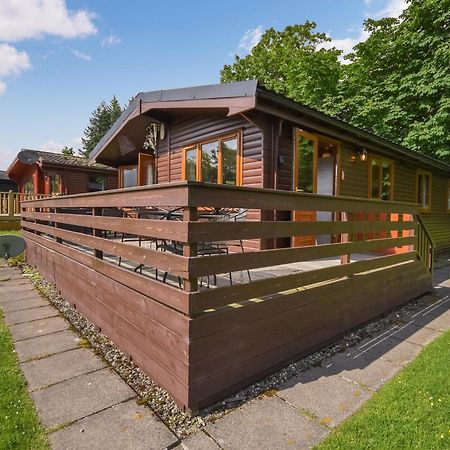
x=190, y=130
x=77, y=181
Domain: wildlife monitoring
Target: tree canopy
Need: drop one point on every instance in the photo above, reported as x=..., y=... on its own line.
x=396, y=84
x=292, y=62
x=100, y=122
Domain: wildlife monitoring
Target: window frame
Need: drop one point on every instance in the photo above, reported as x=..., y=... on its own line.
x=381, y=159
x=424, y=173
x=220, y=138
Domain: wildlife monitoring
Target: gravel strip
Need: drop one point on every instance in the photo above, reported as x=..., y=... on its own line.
x=161, y=402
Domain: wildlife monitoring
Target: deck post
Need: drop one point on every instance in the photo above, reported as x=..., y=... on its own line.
x=97, y=212
x=190, y=214
x=11, y=204
x=345, y=259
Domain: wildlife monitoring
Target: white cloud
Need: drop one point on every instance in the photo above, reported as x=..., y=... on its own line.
x=81, y=55
x=52, y=146
x=12, y=62
x=393, y=8
x=27, y=19
x=111, y=40
x=250, y=38
x=345, y=44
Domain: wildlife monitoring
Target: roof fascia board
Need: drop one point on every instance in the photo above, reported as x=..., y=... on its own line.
x=305, y=114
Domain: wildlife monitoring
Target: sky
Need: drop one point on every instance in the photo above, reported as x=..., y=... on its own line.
x=60, y=58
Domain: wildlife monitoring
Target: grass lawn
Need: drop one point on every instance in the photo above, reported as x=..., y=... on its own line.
x=19, y=425
x=412, y=411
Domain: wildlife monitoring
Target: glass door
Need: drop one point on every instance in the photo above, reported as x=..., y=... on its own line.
x=305, y=179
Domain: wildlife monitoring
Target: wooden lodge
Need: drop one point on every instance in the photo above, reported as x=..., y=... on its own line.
x=39, y=172
x=254, y=231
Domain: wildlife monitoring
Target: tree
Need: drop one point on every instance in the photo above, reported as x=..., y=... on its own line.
x=293, y=63
x=100, y=122
x=398, y=82
x=68, y=151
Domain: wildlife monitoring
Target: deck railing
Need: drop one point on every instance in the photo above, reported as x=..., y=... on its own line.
x=10, y=209
x=235, y=331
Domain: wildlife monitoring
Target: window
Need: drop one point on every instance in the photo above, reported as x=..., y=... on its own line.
x=128, y=176
x=55, y=184
x=28, y=187
x=96, y=183
x=381, y=178
x=215, y=161
x=306, y=149
x=424, y=190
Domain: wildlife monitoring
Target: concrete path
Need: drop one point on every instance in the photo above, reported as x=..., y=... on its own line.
x=85, y=405
x=79, y=400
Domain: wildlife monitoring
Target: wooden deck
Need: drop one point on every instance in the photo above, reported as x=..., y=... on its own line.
x=204, y=333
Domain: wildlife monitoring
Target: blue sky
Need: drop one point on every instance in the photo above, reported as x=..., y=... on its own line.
x=60, y=58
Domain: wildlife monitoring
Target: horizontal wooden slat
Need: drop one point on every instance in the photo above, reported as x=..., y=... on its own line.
x=165, y=261
x=237, y=293
x=201, y=266
x=207, y=194
x=193, y=194
x=217, y=231
x=161, y=292
x=161, y=229
x=171, y=194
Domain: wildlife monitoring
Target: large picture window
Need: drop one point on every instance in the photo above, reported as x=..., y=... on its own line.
x=55, y=184
x=381, y=178
x=214, y=161
x=424, y=190
x=128, y=176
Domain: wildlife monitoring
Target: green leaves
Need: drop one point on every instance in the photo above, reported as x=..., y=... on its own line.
x=397, y=84
x=100, y=122
x=291, y=62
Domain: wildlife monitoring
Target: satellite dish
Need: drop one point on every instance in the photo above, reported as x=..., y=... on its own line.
x=28, y=156
x=11, y=245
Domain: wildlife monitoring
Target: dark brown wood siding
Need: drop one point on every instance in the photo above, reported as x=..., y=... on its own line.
x=192, y=129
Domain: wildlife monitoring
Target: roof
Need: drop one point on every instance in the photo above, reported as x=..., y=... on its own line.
x=235, y=98
x=4, y=176
x=62, y=160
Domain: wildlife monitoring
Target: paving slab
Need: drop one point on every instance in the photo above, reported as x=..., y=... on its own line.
x=362, y=369
x=439, y=323
x=18, y=305
x=267, y=423
x=412, y=333
x=15, y=281
x=37, y=328
x=27, y=315
x=7, y=290
x=126, y=426
x=330, y=398
x=198, y=441
x=391, y=349
x=79, y=397
x=41, y=346
x=25, y=295
x=60, y=367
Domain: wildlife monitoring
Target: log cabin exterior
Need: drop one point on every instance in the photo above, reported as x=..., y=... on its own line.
x=314, y=188
x=49, y=173
x=278, y=144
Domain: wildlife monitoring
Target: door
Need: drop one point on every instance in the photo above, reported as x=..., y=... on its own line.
x=305, y=162
x=315, y=171
x=326, y=182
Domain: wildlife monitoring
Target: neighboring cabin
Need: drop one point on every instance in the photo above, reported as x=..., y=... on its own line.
x=6, y=184
x=38, y=172
x=242, y=134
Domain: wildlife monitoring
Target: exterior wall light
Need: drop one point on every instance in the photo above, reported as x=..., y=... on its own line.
x=363, y=154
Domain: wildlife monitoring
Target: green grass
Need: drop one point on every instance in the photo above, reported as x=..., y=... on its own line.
x=16, y=232
x=412, y=411
x=19, y=424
